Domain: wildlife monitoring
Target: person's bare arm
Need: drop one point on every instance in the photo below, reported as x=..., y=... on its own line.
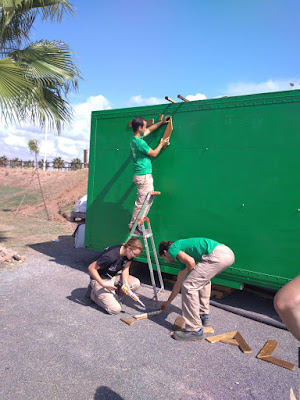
x=125, y=272
x=157, y=125
x=176, y=289
x=93, y=268
x=187, y=260
x=162, y=144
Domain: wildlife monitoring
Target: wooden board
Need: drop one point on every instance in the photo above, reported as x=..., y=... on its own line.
x=266, y=355
x=128, y=321
x=231, y=338
x=268, y=349
x=168, y=130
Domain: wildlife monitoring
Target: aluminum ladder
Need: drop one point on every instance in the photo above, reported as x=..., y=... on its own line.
x=147, y=233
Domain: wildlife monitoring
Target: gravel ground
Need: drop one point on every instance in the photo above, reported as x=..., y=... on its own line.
x=54, y=346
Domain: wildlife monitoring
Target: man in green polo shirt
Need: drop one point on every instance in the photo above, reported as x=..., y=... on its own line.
x=142, y=158
x=201, y=259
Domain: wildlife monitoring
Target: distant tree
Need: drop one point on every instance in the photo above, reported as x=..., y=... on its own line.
x=29, y=164
x=76, y=164
x=16, y=162
x=34, y=147
x=41, y=164
x=4, y=161
x=58, y=163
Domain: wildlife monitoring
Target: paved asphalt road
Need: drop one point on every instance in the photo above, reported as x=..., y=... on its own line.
x=53, y=346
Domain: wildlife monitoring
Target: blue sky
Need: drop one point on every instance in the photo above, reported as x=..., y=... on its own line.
x=133, y=53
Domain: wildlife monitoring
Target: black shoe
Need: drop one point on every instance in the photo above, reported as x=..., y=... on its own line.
x=205, y=318
x=188, y=335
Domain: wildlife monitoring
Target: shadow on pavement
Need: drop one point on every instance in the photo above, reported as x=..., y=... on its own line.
x=105, y=393
x=63, y=252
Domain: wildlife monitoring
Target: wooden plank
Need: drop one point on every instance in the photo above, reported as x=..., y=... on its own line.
x=128, y=321
x=178, y=325
x=279, y=362
x=148, y=121
x=160, y=117
x=243, y=345
x=234, y=342
x=221, y=288
x=268, y=349
x=208, y=329
x=168, y=130
x=217, y=338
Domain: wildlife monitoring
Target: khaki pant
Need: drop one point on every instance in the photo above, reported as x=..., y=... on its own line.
x=196, y=287
x=108, y=299
x=144, y=185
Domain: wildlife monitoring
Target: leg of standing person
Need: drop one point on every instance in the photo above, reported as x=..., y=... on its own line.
x=287, y=304
x=220, y=259
x=144, y=185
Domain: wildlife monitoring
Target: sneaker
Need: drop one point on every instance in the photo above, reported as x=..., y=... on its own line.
x=138, y=231
x=205, y=318
x=188, y=335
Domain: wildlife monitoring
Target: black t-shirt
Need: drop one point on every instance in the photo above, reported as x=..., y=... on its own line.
x=110, y=261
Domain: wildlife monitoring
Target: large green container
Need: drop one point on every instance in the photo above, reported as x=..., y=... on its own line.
x=231, y=174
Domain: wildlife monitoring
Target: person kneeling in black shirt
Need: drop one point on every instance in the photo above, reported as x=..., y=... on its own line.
x=114, y=261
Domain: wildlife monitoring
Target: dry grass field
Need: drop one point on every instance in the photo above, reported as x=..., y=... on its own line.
x=30, y=224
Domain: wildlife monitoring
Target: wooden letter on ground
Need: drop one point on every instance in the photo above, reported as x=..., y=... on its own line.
x=234, y=338
x=266, y=355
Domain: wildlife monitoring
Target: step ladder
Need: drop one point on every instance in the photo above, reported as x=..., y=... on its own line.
x=146, y=233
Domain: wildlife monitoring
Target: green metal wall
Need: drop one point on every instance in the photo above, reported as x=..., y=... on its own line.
x=230, y=174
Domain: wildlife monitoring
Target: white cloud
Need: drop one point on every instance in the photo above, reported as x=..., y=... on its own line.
x=241, y=88
x=138, y=101
x=73, y=140
x=197, y=96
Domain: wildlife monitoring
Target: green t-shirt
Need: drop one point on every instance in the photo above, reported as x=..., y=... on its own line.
x=142, y=162
x=194, y=247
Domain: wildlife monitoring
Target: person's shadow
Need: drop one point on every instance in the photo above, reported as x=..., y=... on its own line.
x=105, y=393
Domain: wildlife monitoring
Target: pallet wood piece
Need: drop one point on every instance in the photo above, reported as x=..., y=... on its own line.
x=148, y=314
x=227, y=338
x=218, y=338
x=179, y=326
x=234, y=342
x=128, y=321
x=148, y=121
x=160, y=117
x=217, y=294
x=268, y=349
x=279, y=362
x=221, y=288
x=266, y=355
x=243, y=345
x=208, y=329
x=168, y=130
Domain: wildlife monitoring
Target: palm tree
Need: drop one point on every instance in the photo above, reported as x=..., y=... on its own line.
x=16, y=162
x=58, y=163
x=3, y=161
x=41, y=164
x=76, y=164
x=34, y=77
